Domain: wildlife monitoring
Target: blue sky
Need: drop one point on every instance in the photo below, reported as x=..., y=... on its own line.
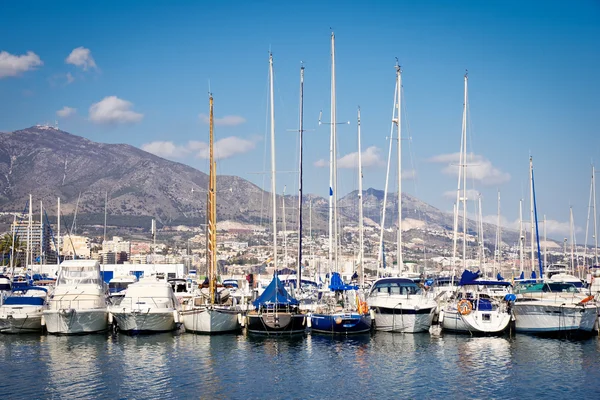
x=139, y=73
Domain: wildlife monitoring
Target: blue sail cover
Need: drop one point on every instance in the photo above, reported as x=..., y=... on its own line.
x=468, y=277
x=533, y=275
x=522, y=276
x=499, y=277
x=275, y=293
x=337, y=283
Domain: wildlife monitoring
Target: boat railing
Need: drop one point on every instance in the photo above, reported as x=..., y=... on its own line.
x=78, y=304
x=145, y=302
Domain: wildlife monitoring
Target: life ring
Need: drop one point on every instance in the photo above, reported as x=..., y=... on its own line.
x=464, y=307
x=589, y=298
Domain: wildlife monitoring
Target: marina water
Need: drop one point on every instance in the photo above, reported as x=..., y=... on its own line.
x=383, y=365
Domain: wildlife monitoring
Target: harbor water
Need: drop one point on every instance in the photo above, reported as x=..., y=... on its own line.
x=382, y=365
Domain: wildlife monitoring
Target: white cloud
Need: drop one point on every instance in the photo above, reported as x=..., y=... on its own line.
x=81, y=57
x=11, y=65
x=66, y=112
x=228, y=120
x=478, y=168
x=322, y=163
x=371, y=157
x=112, y=110
x=70, y=78
x=165, y=149
x=472, y=194
x=223, y=148
x=409, y=174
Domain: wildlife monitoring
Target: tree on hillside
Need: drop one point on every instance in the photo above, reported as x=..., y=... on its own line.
x=6, y=243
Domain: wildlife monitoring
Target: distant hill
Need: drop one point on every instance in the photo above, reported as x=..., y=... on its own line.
x=49, y=163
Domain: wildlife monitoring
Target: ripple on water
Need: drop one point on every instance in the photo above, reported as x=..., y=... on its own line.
x=238, y=366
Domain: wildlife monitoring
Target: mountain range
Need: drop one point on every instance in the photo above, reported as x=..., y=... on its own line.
x=138, y=186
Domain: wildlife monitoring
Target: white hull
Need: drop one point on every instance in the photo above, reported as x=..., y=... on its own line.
x=153, y=320
x=73, y=322
x=544, y=317
x=474, y=322
x=408, y=323
x=402, y=313
x=210, y=320
x=21, y=320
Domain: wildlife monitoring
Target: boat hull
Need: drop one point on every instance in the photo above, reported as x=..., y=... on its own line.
x=281, y=323
x=341, y=323
x=544, y=318
x=20, y=321
x=74, y=322
x=403, y=320
x=149, y=321
x=476, y=322
x=210, y=320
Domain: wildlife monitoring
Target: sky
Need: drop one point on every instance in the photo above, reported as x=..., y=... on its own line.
x=140, y=72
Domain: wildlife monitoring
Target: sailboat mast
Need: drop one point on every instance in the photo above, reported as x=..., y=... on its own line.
x=545, y=243
x=381, y=253
x=41, y=232
x=521, y=237
x=334, y=134
x=398, y=122
x=211, y=241
x=464, y=174
x=273, y=193
x=105, y=212
x=595, y=218
x=58, y=234
x=331, y=162
x=531, y=211
x=572, y=239
x=28, y=256
x=498, y=240
x=301, y=131
x=361, y=243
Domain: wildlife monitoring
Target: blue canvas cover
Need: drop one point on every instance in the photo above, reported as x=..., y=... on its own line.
x=337, y=283
x=25, y=301
x=275, y=293
x=499, y=277
x=468, y=277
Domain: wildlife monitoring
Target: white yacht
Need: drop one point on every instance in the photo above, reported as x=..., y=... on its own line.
x=118, y=285
x=22, y=311
x=78, y=304
x=553, y=308
x=475, y=308
x=149, y=305
x=400, y=305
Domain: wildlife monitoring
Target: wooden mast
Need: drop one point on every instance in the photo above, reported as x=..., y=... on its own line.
x=211, y=237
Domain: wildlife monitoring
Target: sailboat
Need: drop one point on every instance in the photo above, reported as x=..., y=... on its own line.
x=400, y=305
x=473, y=308
x=211, y=312
x=552, y=305
x=341, y=310
x=275, y=311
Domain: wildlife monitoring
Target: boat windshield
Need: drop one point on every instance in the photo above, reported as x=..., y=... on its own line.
x=116, y=287
x=401, y=287
x=79, y=276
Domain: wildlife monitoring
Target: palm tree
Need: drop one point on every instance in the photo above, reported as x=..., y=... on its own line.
x=6, y=243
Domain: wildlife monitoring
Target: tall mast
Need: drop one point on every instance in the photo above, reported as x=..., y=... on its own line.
x=572, y=239
x=41, y=233
x=211, y=240
x=481, y=244
x=531, y=211
x=545, y=244
x=284, y=229
x=58, y=234
x=498, y=249
x=521, y=237
x=334, y=138
x=595, y=218
x=28, y=256
x=381, y=253
x=331, y=160
x=301, y=131
x=462, y=175
x=361, y=243
x=105, y=212
x=273, y=194
x=398, y=122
